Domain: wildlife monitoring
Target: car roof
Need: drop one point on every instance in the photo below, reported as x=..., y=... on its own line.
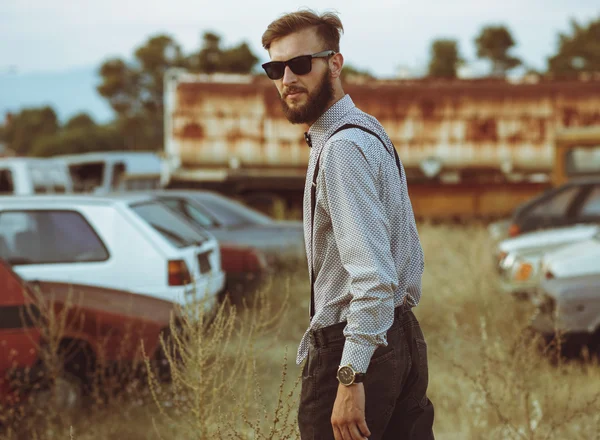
x=178, y=192
x=76, y=199
x=577, y=181
x=101, y=155
x=32, y=160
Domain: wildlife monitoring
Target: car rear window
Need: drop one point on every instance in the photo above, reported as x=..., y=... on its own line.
x=194, y=213
x=169, y=224
x=47, y=237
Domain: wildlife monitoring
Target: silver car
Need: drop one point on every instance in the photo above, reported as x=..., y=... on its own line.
x=518, y=259
x=569, y=307
x=281, y=241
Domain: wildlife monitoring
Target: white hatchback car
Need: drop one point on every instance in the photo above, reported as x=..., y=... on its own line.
x=126, y=242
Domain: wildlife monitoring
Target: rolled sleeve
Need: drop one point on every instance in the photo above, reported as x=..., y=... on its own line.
x=361, y=230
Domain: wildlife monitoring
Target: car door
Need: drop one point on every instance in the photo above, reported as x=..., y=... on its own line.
x=19, y=334
x=555, y=210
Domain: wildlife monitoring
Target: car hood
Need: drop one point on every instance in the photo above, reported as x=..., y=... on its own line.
x=548, y=238
x=573, y=260
x=572, y=288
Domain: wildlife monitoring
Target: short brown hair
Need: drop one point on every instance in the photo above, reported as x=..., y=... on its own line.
x=328, y=26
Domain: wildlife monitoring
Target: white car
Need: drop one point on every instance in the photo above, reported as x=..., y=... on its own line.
x=575, y=260
x=127, y=242
x=110, y=171
x=518, y=259
x=571, y=307
x=28, y=175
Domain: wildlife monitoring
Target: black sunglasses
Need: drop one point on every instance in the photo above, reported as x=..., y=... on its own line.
x=299, y=65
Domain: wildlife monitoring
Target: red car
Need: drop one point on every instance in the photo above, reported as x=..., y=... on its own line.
x=245, y=268
x=102, y=327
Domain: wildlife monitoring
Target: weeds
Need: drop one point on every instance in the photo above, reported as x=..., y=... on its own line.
x=231, y=376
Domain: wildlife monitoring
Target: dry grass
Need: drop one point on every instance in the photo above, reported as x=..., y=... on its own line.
x=236, y=378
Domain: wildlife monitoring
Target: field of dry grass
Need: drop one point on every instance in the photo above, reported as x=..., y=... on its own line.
x=238, y=380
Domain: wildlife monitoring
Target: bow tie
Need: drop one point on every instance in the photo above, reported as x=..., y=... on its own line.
x=307, y=139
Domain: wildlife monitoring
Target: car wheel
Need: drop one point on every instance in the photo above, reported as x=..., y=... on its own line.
x=64, y=394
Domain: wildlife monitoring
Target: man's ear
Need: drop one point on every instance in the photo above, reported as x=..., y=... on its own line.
x=336, y=62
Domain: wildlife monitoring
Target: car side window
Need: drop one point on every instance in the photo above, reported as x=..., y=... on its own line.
x=557, y=205
x=6, y=182
x=47, y=237
x=591, y=205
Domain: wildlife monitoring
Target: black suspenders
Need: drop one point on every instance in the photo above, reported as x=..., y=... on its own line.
x=313, y=204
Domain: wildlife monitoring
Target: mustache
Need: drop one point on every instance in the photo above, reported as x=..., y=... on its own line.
x=291, y=90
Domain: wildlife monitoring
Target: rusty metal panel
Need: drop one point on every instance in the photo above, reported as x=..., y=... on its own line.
x=464, y=124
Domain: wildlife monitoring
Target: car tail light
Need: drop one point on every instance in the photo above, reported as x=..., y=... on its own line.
x=523, y=272
x=514, y=230
x=179, y=275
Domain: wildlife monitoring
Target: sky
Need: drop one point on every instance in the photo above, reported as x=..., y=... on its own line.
x=39, y=38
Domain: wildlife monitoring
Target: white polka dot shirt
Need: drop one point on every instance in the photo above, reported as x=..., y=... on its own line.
x=367, y=255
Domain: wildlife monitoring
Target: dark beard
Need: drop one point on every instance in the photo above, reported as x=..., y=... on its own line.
x=316, y=104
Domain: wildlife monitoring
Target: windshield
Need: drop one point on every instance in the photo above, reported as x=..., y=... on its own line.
x=230, y=212
x=170, y=225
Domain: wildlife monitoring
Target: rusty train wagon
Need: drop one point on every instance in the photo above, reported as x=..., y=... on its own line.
x=471, y=148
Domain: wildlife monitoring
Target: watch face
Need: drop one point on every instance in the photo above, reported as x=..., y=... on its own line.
x=346, y=375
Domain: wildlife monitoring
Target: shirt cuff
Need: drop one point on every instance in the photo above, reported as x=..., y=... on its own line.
x=358, y=356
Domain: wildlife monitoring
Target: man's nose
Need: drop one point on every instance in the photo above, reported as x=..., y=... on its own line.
x=288, y=76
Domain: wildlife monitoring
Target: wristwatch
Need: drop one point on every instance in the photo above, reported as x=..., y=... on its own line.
x=347, y=376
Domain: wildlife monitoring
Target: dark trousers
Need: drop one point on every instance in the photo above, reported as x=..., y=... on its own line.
x=397, y=406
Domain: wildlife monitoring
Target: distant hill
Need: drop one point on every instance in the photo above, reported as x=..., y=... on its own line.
x=68, y=92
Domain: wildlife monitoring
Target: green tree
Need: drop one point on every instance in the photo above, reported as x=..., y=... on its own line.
x=75, y=140
x=135, y=90
x=577, y=52
x=494, y=44
x=27, y=126
x=445, y=59
x=238, y=59
x=80, y=121
x=208, y=59
x=213, y=58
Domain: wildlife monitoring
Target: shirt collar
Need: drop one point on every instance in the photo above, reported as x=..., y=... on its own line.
x=319, y=131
